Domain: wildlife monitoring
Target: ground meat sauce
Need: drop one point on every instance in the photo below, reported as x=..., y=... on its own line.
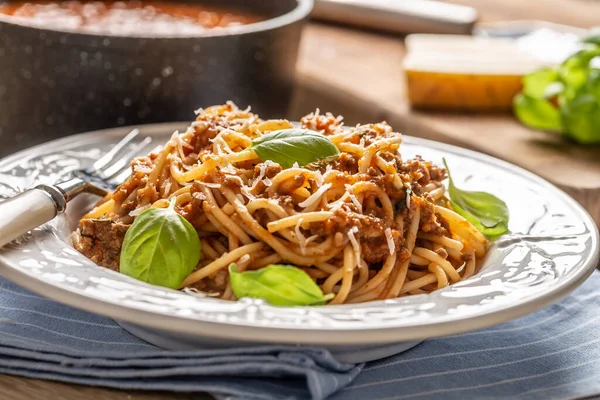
x=375, y=249
x=297, y=182
x=326, y=124
x=346, y=162
x=193, y=211
x=100, y=240
x=421, y=173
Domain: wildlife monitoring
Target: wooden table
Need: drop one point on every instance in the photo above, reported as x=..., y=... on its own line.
x=358, y=74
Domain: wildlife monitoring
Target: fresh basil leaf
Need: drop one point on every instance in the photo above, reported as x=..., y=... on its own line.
x=491, y=232
x=536, y=83
x=537, y=113
x=593, y=83
x=160, y=247
x=287, y=146
x=574, y=70
x=485, y=211
x=566, y=98
x=581, y=118
x=280, y=285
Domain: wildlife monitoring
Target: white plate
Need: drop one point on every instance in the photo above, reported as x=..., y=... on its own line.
x=552, y=248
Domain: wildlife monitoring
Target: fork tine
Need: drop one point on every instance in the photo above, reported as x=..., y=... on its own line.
x=122, y=163
x=119, y=178
x=107, y=158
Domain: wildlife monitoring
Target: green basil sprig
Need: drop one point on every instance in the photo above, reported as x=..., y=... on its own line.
x=160, y=247
x=532, y=106
x=485, y=211
x=280, y=285
x=287, y=146
x=565, y=98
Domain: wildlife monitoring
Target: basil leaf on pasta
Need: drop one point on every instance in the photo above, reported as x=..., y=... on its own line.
x=160, y=247
x=280, y=285
x=485, y=211
x=288, y=146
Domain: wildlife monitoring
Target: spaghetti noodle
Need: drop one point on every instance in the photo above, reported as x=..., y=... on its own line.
x=366, y=225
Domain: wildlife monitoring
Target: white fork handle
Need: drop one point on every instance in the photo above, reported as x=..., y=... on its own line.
x=24, y=212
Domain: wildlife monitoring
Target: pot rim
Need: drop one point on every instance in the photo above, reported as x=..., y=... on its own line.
x=301, y=11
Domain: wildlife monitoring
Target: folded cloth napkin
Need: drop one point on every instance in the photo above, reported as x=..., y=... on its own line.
x=551, y=354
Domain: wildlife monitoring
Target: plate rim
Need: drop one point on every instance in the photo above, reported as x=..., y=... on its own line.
x=309, y=335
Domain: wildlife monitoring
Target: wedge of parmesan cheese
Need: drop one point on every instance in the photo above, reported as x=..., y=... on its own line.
x=465, y=72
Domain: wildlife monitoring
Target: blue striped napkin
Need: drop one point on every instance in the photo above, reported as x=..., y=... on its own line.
x=552, y=354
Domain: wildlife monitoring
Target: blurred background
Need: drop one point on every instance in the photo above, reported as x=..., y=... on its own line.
x=517, y=79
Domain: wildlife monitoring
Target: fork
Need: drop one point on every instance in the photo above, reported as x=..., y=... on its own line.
x=34, y=207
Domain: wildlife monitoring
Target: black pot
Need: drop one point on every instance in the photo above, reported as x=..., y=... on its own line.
x=56, y=83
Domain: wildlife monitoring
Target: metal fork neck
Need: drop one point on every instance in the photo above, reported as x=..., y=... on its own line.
x=72, y=187
x=56, y=195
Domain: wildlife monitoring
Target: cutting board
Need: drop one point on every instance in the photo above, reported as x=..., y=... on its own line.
x=358, y=74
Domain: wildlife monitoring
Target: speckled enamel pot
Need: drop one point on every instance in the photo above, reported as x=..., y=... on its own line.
x=55, y=83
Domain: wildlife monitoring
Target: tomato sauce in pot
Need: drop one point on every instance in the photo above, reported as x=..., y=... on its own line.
x=123, y=18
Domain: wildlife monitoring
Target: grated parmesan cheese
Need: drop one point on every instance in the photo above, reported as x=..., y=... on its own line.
x=313, y=198
x=245, y=259
x=355, y=245
x=328, y=171
x=167, y=186
x=237, y=178
x=228, y=168
x=173, y=157
x=139, y=210
x=353, y=198
x=390, y=240
x=246, y=192
x=194, y=125
x=220, y=146
x=199, y=196
x=311, y=238
x=318, y=178
x=142, y=168
x=210, y=184
x=408, y=194
x=338, y=203
x=177, y=139
x=261, y=175
x=300, y=236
